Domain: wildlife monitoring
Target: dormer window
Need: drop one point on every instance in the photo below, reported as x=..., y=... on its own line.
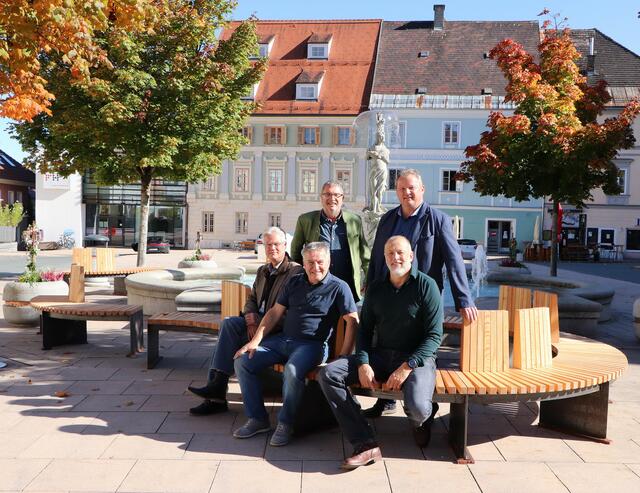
x=318, y=46
x=308, y=85
x=265, y=44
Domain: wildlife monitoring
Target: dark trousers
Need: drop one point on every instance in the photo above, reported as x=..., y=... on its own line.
x=336, y=377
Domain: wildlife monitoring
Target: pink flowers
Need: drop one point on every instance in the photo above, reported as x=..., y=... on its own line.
x=51, y=276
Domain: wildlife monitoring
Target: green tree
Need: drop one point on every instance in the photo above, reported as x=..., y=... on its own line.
x=553, y=145
x=169, y=107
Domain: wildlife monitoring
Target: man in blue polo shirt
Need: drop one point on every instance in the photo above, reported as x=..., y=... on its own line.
x=313, y=302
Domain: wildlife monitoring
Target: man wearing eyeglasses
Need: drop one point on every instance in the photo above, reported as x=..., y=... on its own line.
x=342, y=230
x=237, y=331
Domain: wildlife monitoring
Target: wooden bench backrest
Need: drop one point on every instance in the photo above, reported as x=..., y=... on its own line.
x=76, y=284
x=234, y=296
x=550, y=300
x=532, y=339
x=485, y=342
x=511, y=299
x=82, y=256
x=105, y=259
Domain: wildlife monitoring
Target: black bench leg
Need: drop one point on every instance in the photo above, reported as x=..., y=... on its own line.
x=314, y=413
x=458, y=423
x=584, y=415
x=57, y=332
x=136, y=323
x=153, y=347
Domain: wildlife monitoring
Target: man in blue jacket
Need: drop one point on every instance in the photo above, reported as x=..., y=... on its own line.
x=434, y=244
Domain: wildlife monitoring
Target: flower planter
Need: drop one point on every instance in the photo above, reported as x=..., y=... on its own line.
x=24, y=292
x=201, y=264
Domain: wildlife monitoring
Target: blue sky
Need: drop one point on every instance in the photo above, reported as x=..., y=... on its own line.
x=616, y=18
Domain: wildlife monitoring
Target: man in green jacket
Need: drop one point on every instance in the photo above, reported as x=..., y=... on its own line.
x=342, y=230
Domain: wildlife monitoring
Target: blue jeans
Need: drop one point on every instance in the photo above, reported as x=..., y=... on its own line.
x=335, y=378
x=232, y=336
x=299, y=357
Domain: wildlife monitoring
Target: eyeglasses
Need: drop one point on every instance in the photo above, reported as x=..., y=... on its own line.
x=276, y=244
x=328, y=195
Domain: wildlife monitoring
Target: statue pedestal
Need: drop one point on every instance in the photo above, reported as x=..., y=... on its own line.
x=371, y=220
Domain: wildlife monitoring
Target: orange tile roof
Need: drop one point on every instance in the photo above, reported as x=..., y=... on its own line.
x=348, y=73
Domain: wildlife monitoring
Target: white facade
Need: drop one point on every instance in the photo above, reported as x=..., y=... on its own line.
x=272, y=184
x=59, y=206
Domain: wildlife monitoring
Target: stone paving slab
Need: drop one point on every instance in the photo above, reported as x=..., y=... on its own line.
x=85, y=442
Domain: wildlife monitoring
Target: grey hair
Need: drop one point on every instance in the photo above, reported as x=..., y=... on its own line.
x=313, y=246
x=410, y=172
x=400, y=238
x=332, y=183
x=276, y=231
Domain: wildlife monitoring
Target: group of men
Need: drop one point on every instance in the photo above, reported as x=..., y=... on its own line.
x=293, y=310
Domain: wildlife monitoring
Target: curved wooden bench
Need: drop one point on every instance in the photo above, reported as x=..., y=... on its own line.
x=573, y=388
x=65, y=322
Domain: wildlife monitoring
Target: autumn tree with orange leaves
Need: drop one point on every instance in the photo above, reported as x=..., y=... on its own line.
x=552, y=146
x=30, y=28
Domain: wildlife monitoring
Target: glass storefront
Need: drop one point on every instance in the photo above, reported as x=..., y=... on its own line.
x=115, y=211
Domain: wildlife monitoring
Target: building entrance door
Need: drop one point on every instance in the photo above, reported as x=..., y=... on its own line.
x=498, y=236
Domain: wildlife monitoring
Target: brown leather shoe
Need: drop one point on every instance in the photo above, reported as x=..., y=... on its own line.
x=363, y=455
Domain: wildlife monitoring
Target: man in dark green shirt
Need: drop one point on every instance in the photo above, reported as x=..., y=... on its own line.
x=403, y=314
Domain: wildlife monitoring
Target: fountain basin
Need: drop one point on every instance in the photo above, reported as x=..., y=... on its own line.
x=157, y=290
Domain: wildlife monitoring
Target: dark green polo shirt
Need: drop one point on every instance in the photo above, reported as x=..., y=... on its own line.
x=408, y=319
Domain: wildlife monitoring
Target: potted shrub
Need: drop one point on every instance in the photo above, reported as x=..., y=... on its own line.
x=198, y=259
x=31, y=283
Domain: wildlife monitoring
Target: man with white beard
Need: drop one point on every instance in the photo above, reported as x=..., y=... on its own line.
x=403, y=313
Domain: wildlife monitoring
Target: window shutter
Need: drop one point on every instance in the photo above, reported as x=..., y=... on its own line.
x=459, y=185
x=266, y=136
x=352, y=136
x=284, y=135
x=317, y=136
x=334, y=136
x=250, y=134
x=300, y=135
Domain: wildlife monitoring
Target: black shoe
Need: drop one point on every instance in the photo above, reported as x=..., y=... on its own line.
x=215, y=389
x=209, y=407
x=382, y=407
x=422, y=434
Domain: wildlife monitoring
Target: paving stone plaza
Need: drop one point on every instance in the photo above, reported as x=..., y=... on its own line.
x=88, y=418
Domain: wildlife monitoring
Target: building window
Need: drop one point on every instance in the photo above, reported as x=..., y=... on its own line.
x=394, y=174
x=449, y=182
x=342, y=136
x=275, y=180
x=318, y=50
x=207, y=222
x=263, y=50
x=343, y=176
x=309, y=182
x=242, y=223
x=306, y=91
x=622, y=181
x=457, y=230
x=251, y=93
x=633, y=239
x=451, y=134
x=274, y=135
x=398, y=136
x=19, y=197
x=210, y=184
x=241, y=179
x=309, y=135
x=275, y=219
x=247, y=133
x=11, y=197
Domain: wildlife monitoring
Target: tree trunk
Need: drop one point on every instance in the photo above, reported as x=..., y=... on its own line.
x=145, y=188
x=553, y=270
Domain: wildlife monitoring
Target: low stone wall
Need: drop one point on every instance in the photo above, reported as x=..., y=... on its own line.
x=156, y=290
